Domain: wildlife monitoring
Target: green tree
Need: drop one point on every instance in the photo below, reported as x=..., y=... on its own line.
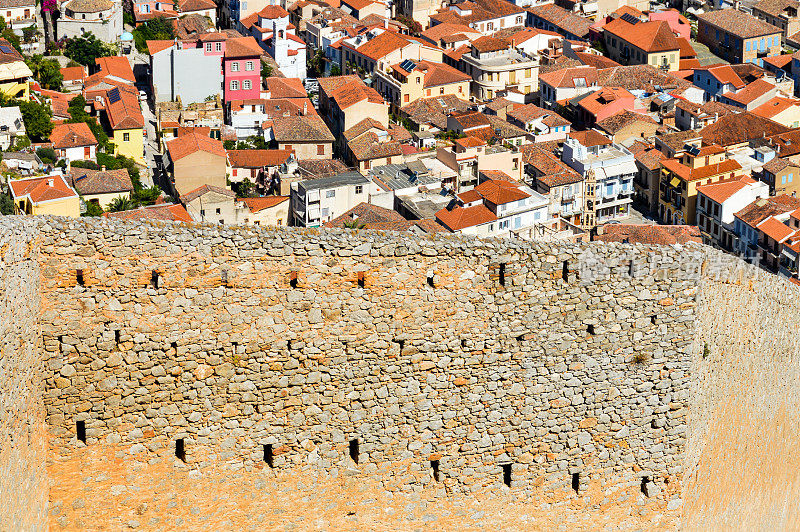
x=46, y=71
x=36, y=116
x=77, y=113
x=6, y=204
x=92, y=209
x=244, y=188
x=121, y=204
x=155, y=29
x=86, y=49
x=47, y=155
x=266, y=70
x=354, y=224
x=8, y=34
x=336, y=71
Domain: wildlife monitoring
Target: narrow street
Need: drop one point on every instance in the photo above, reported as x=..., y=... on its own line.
x=140, y=65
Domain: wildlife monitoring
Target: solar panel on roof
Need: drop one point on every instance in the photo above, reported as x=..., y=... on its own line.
x=627, y=17
x=113, y=95
x=408, y=65
x=6, y=49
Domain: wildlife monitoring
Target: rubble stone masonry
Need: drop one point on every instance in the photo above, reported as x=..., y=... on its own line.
x=476, y=354
x=444, y=361
x=23, y=437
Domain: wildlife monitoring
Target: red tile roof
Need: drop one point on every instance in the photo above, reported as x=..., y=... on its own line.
x=72, y=136
x=257, y=158
x=724, y=189
x=496, y=191
x=242, y=47
x=116, y=66
x=153, y=47
x=285, y=87
x=382, y=45
x=39, y=189
x=664, y=235
x=776, y=230
x=184, y=145
x=653, y=36
x=775, y=106
x=153, y=212
x=462, y=217
x=73, y=73
x=259, y=204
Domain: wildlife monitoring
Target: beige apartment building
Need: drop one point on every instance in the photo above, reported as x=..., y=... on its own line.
x=495, y=65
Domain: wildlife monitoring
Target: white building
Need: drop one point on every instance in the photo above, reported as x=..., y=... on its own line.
x=565, y=84
x=317, y=201
x=612, y=168
x=271, y=29
x=718, y=202
x=496, y=208
x=11, y=126
x=103, y=18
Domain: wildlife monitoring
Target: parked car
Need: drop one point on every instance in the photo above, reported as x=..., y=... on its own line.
x=142, y=96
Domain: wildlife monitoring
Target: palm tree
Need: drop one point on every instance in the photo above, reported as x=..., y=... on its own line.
x=121, y=204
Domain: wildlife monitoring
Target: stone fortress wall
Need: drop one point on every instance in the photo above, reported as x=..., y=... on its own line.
x=443, y=361
x=23, y=436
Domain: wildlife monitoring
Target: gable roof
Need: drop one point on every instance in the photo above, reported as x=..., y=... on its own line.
x=530, y=112
x=497, y=191
x=724, y=189
x=738, y=128
x=459, y=217
x=738, y=23
x=193, y=142
x=72, y=136
x=40, y=189
x=367, y=214
x=285, y=87
x=623, y=119
x=257, y=158
x=653, y=36
x=301, y=129
x=382, y=45
x=242, y=47
x=206, y=189
x=259, y=204
x=170, y=212
x=763, y=208
x=87, y=181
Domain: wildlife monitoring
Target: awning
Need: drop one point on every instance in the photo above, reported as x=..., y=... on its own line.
x=675, y=182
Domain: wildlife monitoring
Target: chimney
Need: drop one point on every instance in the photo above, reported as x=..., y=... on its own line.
x=49, y=181
x=305, y=108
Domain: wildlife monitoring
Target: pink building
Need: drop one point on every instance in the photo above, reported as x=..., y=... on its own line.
x=677, y=23
x=242, y=69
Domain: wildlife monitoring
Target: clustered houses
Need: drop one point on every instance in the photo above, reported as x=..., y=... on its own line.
x=490, y=118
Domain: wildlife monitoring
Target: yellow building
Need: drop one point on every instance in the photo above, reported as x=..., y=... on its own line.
x=680, y=177
x=14, y=73
x=126, y=121
x=630, y=41
x=409, y=81
x=45, y=195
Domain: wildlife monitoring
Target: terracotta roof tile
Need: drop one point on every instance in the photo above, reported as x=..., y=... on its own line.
x=653, y=36
x=739, y=128
x=242, y=47
x=664, y=235
x=205, y=189
x=459, y=218
x=738, y=23
x=257, y=158
x=87, y=181
x=184, y=145
x=301, y=129
x=285, y=87
x=259, y=204
x=380, y=46
x=367, y=214
x=72, y=136
x=724, y=189
x=170, y=212
x=39, y=189
x=763, y=208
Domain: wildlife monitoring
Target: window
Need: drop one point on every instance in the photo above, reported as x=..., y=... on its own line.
x=789, y=178
x=406, y=98
x=234, y=85
x=208, y=47
x=783, y=180
x=320, y=149
x=218, y=47
x=202, y=212
x=359, y=189
x=247, y=84
x=330, y=194
x=490, y=26
x=235, y=66
x=248, y=65
x=126, y=137
x=219, y=211
x=280, y=221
